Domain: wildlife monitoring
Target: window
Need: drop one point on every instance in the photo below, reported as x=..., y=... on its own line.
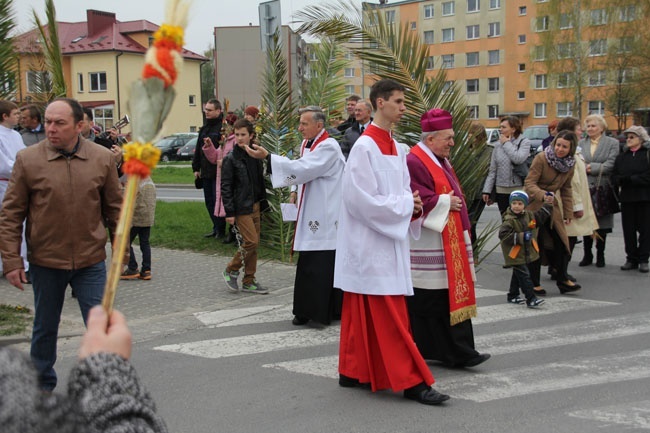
x=348, y=55
x=522, y=39
x=448, y=35
x=493, y=111
x=522, y=10
x=428, y=11
x=448, y=61
x=493, y=84
x=495, y=4
x=541, y=24
x=414, y=25
x=473, y=5
x=627, y=13
x=540, y=53
x=39, y=81
x=564, y=109
x=430, y=62
x=540, y=109
x=521, y=67
x=566, y=21
x=472, y=85
x=598, y=47
x=494, y=57
x=598, y=17
x=80, y=83
x=473, y=32
x=625, y=44
x=103, y=117
x=564, y=51
x=494, y=30
x=596, y=107
x=312, y=56
x=349, y=89
x=540, y=81
x=448, y=8
x=97, y=81
x=624, y=76
x=428, y=37
x=597, y=78
x=447, y=86
x=471, y=59
x=349, y=72
x=472, y=111
x=563, y=80
x=390, y=17
x=521, y=95
x=192, y=100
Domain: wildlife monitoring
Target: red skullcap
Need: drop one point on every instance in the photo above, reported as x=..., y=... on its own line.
x=436, y=119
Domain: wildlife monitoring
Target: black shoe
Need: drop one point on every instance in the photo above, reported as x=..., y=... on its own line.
x=427, y=396
x=600, y=261
x=229, y=239
x=628, y=266
x=540, y=292
x=297, y=320
x=566, y=288
x=219, y=235
x=643, y=267
x=348, y=382
x=478, y=359
x=586, y=261
x=209, y=235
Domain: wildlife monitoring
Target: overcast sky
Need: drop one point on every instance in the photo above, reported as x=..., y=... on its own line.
x=204, y=14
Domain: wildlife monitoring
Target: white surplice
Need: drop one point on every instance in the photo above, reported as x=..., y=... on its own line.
x=372, y=249
x=318, y=174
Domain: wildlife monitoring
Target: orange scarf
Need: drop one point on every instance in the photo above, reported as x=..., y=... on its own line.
x=462, y=299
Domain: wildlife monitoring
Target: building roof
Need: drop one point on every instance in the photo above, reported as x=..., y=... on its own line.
x=100, y=33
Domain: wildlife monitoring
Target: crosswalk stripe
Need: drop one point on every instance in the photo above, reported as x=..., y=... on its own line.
x=257, y=343
x=633, y=414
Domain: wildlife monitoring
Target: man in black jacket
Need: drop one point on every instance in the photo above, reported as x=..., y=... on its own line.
x=207, y=171
x=350, y=103
x=362, y=113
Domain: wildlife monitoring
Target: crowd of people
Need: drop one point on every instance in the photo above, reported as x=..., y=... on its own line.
x=384, y=232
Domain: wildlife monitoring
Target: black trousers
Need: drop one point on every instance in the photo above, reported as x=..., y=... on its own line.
x=635, y=217
x=210, y=196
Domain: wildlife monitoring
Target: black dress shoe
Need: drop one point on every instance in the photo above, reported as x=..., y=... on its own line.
x=230, y=238
x=628, y=266
x=586, y=261
x=540, y=292
x=426, y=396
x=643, y=267
x=566, y=288
x=297, y=320
x=209, y=235
x=478, y=359
x=219, y=235
x=348, y=382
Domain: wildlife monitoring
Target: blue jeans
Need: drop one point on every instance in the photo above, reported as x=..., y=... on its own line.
x=521, y=280
x=49, y=292
x=145, y=247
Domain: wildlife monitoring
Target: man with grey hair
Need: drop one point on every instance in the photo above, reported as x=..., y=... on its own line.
x=317, y=177
x=362, y=115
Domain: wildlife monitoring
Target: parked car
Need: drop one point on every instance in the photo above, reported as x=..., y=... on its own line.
x=169, y=145
x=536, y=134
x=493, y=135
x=186, y=152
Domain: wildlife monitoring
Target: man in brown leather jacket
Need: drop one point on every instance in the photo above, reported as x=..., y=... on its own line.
x=67, y=190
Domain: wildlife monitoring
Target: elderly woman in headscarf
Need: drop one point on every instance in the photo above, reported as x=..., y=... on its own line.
x=600, y=152
x=550, y=174
x=632, y=174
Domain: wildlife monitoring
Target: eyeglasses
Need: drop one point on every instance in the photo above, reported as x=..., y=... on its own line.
x=631, y=137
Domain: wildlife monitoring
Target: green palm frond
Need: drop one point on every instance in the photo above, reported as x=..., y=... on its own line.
x=51, y=48
x=278, y=125
x=395, y=52
x=8, y=56
x=326, y=87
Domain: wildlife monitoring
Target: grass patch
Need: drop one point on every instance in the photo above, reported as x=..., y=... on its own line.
x=181, y=226
x=176, y=175
x=13, y=319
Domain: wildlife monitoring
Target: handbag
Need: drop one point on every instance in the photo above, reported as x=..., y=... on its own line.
x=521, y=170
x=198, y=183
x=603, y=198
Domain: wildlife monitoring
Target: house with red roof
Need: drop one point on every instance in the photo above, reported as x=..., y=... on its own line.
x=101, y=58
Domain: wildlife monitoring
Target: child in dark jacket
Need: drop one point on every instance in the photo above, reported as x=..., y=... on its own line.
x=518, y=235
x=243, y=193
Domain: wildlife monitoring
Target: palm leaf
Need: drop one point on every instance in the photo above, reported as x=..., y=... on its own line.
x=8, y=56
x=397, y=53
x=51, y=48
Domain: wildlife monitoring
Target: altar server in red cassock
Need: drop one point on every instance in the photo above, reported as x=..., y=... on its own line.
x=442, y=262
x=372, y=260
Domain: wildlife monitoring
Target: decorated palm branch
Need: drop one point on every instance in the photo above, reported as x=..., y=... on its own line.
x=150, y=101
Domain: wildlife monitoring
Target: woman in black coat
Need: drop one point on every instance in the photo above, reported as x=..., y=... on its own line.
x=632, y=175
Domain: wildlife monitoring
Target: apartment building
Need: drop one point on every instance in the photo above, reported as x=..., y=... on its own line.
x=101, y=58
x=491, y=50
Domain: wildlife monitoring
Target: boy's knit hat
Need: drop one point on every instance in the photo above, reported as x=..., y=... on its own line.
x=519, y=195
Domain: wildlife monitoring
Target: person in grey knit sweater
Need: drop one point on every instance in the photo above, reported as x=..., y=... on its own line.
x=104, y=392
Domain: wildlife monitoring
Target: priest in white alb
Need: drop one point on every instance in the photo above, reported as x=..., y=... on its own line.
x=442, y=265
x=317, y=175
